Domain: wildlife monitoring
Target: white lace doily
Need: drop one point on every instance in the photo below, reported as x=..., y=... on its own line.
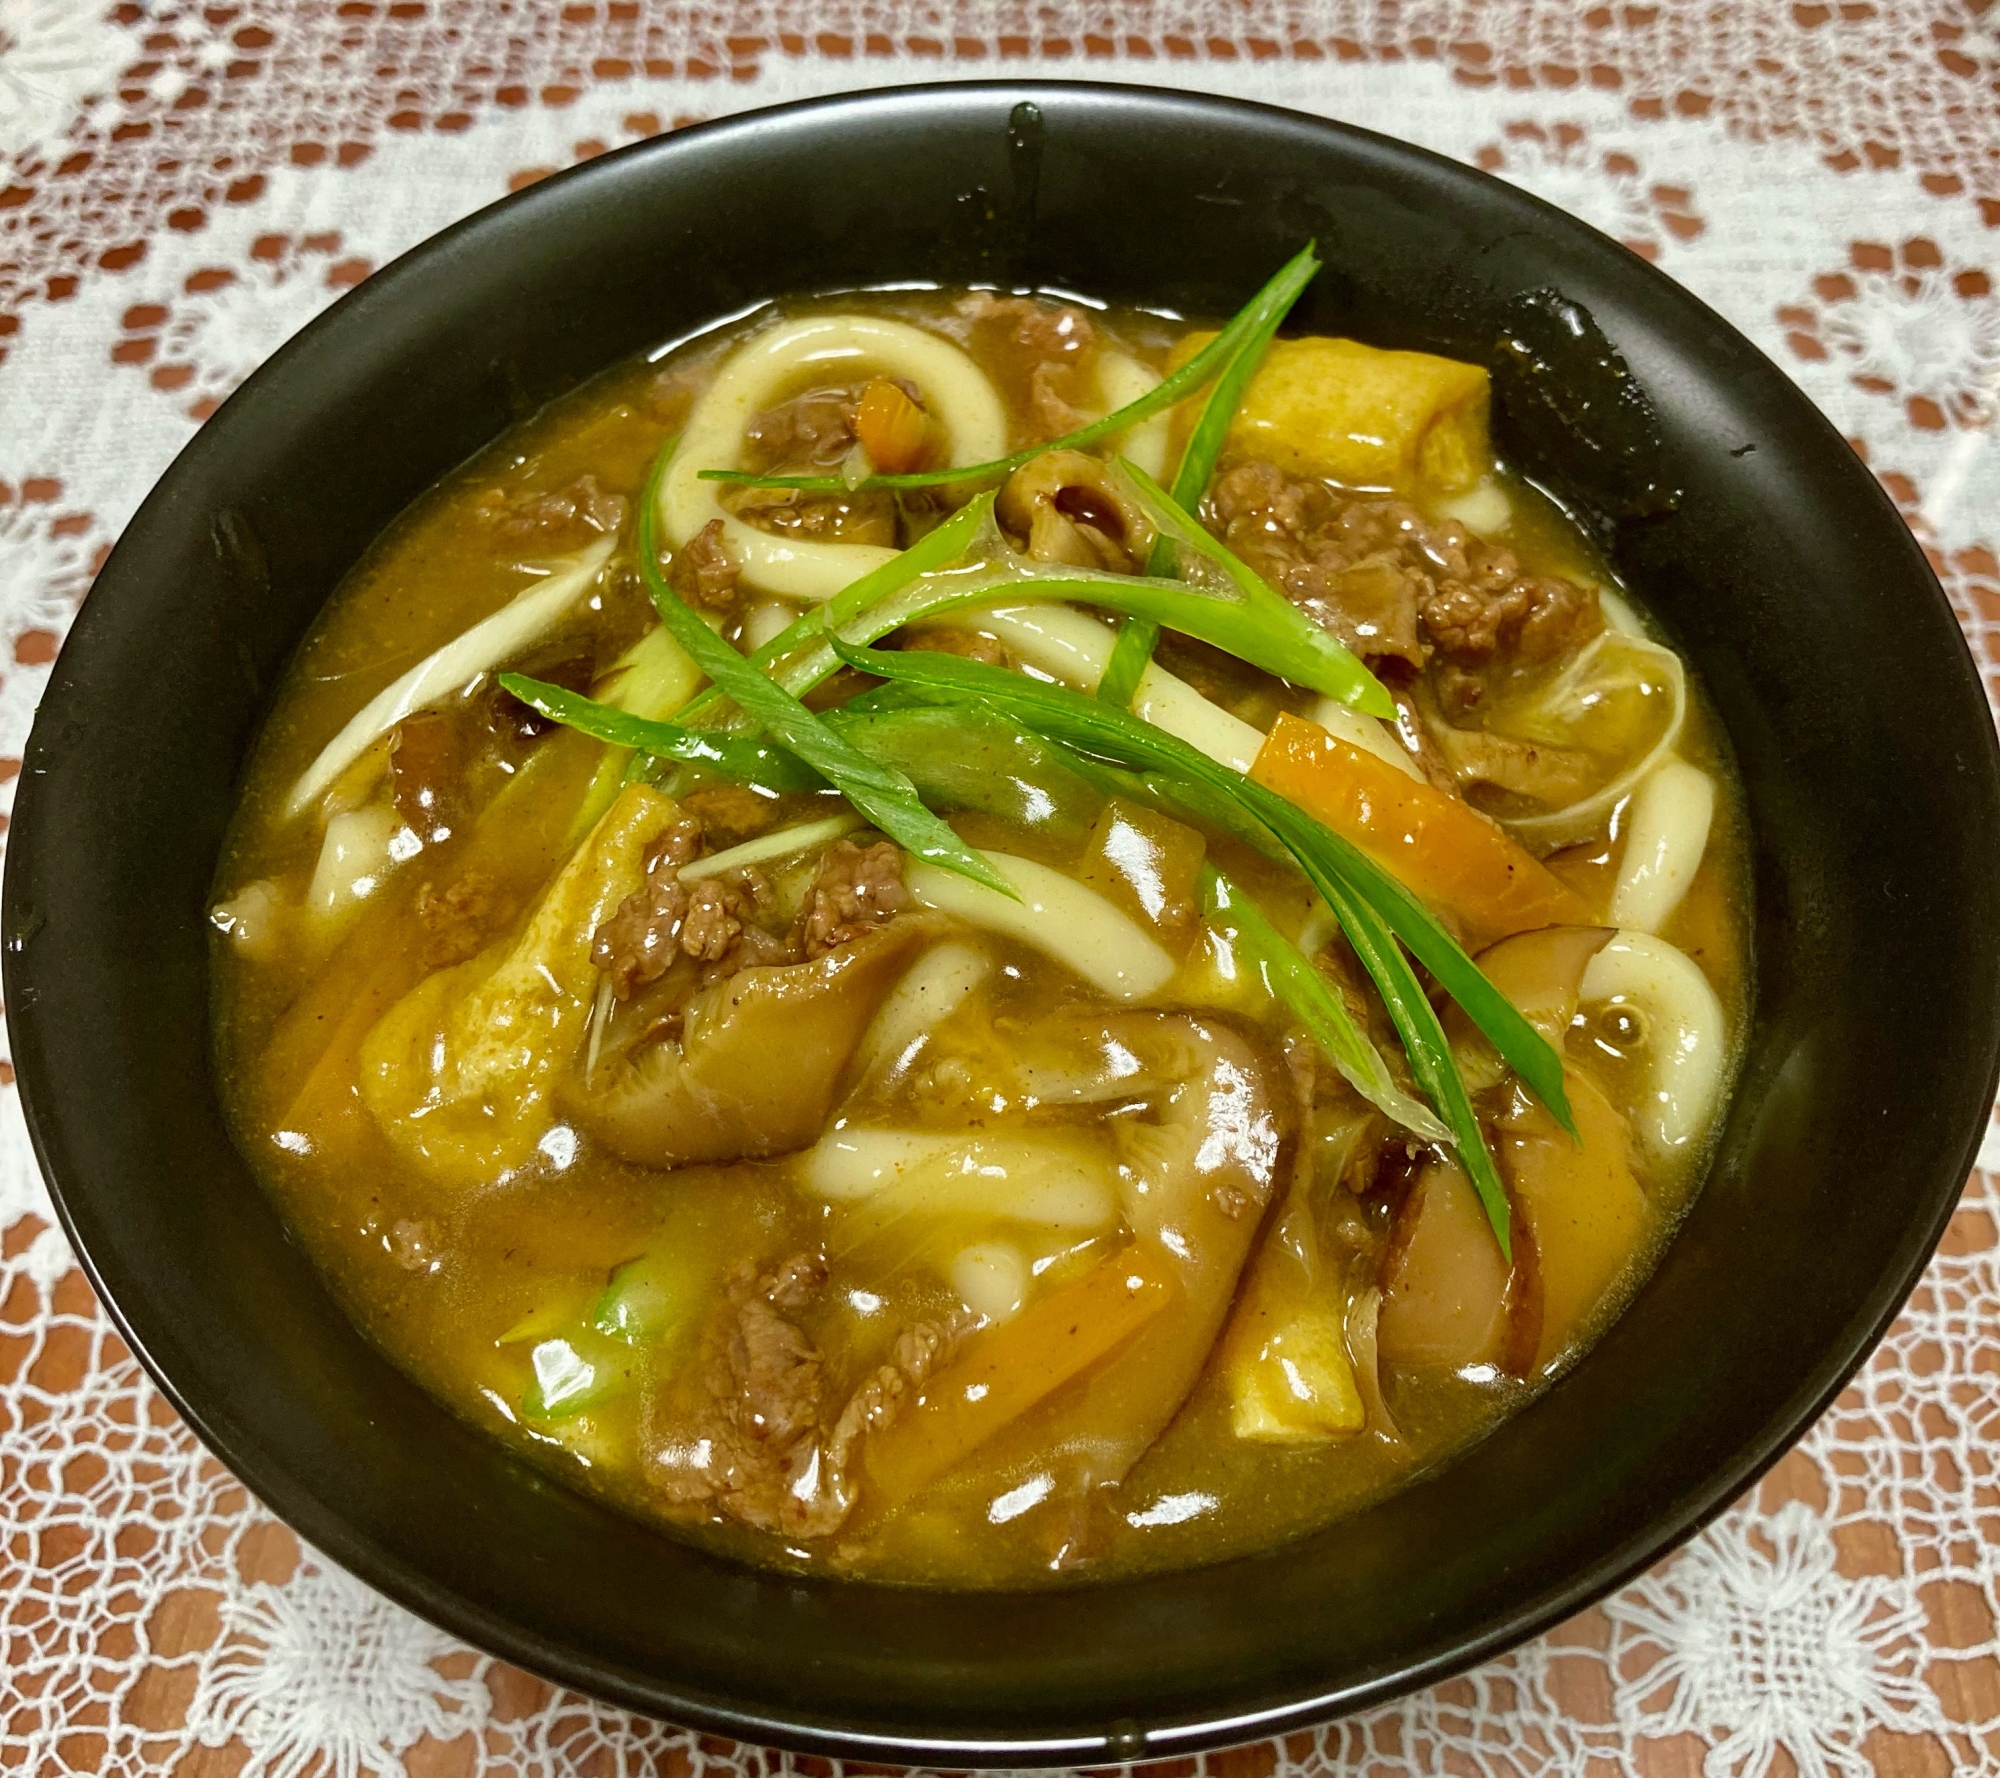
x=183, y=185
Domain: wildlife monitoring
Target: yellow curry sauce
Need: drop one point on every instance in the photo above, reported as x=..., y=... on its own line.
x=571, y=1259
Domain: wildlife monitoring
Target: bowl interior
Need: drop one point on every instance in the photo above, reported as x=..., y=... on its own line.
x=1780, y=569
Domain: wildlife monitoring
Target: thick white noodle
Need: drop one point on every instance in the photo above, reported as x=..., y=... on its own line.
x=1686, y=1038
x=1619, y=614
x=1484, y=509
x=1073, y=647
x=490, y=643
x=1122, y=380
x=764, y=620
x=1666, y=833
x=933, y=988
x=760, y=374
x=1054, y=1178
x=1369, y=733
x=1057, y=916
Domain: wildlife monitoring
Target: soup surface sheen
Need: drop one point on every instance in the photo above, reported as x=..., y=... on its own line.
x=850, y=1214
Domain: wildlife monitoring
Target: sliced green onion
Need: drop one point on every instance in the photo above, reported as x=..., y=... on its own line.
x=1069, y=716
x=768, y=768
x=1174, y=524
x=883, y=794
x=963, y=757
x=646, y=1299
x=571, y=1374
x=1416, y=1022
x=1323, y=853
x=1139, y=637
x=787, y=842
x=1278, y=295
x=1131, y=655
x=1268, y=632
x=1371, y=906
x=936, y=549
x=1274, y=635
x=1292, y=978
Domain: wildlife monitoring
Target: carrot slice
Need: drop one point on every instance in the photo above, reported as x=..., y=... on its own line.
x=894, y=431
x=1008, y=1371
x=1444, y=851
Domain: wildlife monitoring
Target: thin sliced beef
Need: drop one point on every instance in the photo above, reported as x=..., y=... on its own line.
x=458, y=920
x=857, y=889
x=812, y=434
x=703, y=571
x=1343, y=561
x=669, y=939
x=821, y=518
x=755, y=1436
x=728, y=813
x=1048, y=347
x=1397, y=587
x=812, y=431
x=573, y=515
x=716, y=921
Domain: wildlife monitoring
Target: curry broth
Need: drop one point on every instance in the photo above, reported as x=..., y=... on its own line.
x=463, y=1287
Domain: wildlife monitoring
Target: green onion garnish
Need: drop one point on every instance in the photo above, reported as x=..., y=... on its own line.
x=1241, y=614
x=1175, y=525
x=1292, y=978
x=935, y=550
x=883, y=794
x=770, y=768
x=1416, y=1022
x=1372, y=908
x=1139, y=637
x=1278, y=295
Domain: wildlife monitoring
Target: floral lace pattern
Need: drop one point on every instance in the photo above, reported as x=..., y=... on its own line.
x=183, y=185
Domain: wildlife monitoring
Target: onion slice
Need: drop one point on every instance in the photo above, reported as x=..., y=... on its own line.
x=516, y=626
x=1597, y=671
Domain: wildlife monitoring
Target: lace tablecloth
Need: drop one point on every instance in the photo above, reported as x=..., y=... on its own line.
x=183, y=184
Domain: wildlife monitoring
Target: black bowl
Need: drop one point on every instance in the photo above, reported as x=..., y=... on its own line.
x=1865, y=745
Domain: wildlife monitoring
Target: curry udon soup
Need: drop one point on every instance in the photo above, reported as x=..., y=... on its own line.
x=959, y=939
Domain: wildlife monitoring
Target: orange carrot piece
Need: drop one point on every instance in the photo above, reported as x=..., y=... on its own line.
x=1008, y=1371
x=895, y=432
x=1444, y=851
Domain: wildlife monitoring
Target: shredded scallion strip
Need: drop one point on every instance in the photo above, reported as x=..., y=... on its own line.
x=1291, y=977
x=1139, y=637
x=770, y=768
x=1174, y=524
x=799, y=675
x=1373, y=909
x=882, y=793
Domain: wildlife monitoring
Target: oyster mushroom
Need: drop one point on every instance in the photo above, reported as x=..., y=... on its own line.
x=715, y=1095
x=1197, y=1167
